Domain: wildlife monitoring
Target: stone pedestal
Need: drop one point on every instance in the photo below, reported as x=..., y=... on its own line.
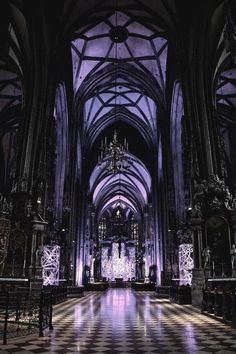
x=198, y=283
x=207, y=273
x=35, y=269
x=75, y=291
x=36, y=280
x=36, y=284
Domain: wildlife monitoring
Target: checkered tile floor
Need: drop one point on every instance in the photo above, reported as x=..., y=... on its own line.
x=122, y=321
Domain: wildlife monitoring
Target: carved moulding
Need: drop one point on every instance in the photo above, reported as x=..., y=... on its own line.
x=5, y=227
x=212, y=196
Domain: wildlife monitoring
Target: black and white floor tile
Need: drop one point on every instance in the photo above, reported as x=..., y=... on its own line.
x=122, y=321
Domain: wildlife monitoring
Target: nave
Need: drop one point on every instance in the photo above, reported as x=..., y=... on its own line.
x=124, y=321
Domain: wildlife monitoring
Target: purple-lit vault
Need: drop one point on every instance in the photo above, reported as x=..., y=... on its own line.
x=225, y=104
x=130, y=188
x=10, y=88
x=124, y=64
x=119, y=76
x=94, y=48
x=226, y=87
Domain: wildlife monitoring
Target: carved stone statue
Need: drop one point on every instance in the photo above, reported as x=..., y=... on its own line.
x=233, y=256
x=4, y=207
x=206, y=254
x=212, y=195
x=3, y=248
x=38, y=256
x=196, y=211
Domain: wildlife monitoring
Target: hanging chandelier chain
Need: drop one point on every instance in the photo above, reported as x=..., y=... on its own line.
x=114, y=153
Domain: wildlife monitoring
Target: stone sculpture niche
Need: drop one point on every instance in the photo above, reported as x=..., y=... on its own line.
x=219, y=241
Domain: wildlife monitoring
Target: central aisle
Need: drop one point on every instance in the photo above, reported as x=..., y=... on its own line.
x=122, y=321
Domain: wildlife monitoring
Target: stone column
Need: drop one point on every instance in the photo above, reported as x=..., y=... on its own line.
x=197, y=243
x=35, y=273
x=233, y=237
x=92, y=268
x=151, y=238
x=146, y=255
x=233, y=218
x=5, y=227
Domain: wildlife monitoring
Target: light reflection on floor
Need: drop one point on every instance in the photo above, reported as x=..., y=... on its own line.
x=122, y=321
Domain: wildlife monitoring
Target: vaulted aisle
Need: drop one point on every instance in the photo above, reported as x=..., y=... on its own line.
x=122, y=321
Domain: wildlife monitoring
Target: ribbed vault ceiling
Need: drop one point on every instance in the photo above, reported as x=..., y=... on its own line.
x=130, y=188
x=114, y=62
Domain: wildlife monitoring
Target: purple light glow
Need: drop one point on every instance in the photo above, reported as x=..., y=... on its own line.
x=116, y=199
x=177, y=112
x=122, y=306
x=135, y=183
x=61, y=116
x=122, y=179
x=137, y=169
x=79, y=271
x=226, y=102
x=141, y=45
x=226, y=88
x=128, y=99
x=159, y=161
x=10, y=88
x=191, y=344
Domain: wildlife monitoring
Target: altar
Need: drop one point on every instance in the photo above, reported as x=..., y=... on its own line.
x=118, y=261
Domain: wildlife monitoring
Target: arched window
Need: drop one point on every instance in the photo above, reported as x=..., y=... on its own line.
x=134, y=229
x=102, y=228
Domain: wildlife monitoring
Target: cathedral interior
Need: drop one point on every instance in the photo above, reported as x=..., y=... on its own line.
x=118, y=176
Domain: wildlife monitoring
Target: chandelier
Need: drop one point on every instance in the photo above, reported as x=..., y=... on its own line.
x=114, y=154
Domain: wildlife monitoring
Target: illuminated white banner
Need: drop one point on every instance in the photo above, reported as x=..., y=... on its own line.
x=185, y=263
x=115, y=265
x=51, y=265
